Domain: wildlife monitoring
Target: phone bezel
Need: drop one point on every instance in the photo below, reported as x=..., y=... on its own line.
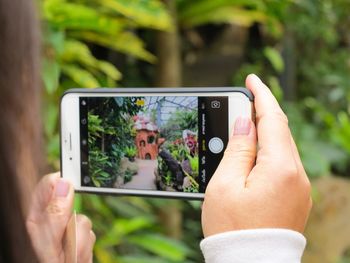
x=240, y=104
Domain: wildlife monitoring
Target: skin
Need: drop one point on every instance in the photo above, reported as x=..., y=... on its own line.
x=261, y=186
x=48, y=218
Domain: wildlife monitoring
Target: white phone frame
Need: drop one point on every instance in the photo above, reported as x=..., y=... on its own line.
x=240, y=104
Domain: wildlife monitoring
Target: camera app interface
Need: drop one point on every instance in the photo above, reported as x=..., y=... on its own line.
x=152, y=142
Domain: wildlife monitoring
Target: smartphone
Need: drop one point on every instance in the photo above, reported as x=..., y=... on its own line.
x=164, y=142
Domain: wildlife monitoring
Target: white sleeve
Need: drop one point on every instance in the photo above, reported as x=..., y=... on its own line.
x=254, y=245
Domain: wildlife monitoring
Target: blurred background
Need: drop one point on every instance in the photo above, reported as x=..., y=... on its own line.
x=301, y=49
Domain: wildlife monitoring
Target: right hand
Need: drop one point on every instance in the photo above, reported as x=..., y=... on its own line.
x=48, y=217
x=264, y=189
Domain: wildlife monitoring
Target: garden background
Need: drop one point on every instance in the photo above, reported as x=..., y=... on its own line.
x=301, y=49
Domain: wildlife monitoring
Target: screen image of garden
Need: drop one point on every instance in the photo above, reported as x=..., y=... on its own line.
x=145, y=143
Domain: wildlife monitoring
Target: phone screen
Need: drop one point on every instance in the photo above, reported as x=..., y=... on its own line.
x=165, y=143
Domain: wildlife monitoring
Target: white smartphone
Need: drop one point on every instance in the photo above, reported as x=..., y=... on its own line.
x=164, y=142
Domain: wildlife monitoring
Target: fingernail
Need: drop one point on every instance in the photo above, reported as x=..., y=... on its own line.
x=242, y=126
x=62, y=188
x=255, y=77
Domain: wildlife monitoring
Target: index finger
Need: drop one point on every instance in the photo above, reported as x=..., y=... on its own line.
x=271, y=122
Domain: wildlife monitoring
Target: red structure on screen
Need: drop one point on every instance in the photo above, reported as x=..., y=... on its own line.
x=147, y=139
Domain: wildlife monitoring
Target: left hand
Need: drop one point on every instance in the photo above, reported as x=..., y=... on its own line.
x=48, y=217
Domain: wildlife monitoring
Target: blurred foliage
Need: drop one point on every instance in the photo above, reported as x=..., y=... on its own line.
x=128, y=230
x=131, y=229
x=71, y=28
x=319, y=112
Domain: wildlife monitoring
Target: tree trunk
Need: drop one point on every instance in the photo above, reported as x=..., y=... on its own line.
x=168, y=74
x=288, y=77
x=168, y=50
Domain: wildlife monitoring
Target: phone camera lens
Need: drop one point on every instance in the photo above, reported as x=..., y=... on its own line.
x=84, y=142
x=83, y=121
x=83, y=102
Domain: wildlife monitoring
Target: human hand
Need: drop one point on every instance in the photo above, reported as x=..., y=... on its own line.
x=267, y=188
x=48, y=217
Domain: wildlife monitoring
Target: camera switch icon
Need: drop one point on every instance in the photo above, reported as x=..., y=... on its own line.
x=215, y=104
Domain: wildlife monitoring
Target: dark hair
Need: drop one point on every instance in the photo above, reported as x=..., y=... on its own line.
x=19, y=126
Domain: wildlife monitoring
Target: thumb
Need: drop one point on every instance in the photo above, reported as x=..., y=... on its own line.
x=49, y=214
x=240, y=153
x=61, y=202
x=52, y=203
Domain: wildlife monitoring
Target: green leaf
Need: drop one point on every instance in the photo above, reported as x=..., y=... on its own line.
x=96, y=182
x=276, y=88
x=76, y=51
x=109, y=69
x=275, y=58
x=126, y=42
x=161, y=246
x=50, y=74
x=122, y=228
x=233, y=15
x=142, y=259
x=78, y=203
x=53, y=39
x=80, y=17
x=51, y=115
x=53, y=151
x=104, y=174
x=128, y=226
x=82, y=77
x=150, y=14
x=189, y=9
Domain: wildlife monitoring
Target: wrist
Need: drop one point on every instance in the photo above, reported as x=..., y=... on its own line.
x=254, y=245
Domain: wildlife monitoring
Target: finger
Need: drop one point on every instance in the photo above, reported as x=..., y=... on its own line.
x=272, y=124
x=85, y=239
x=239, y=156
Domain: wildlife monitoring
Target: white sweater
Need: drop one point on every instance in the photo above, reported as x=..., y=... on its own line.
x=253, y=246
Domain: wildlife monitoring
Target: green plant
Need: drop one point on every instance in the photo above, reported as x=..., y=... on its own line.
x=130, y=152
x=168, y=178
x=194, y=163
x=128, y=174
x=110, y=136
x=101, y=170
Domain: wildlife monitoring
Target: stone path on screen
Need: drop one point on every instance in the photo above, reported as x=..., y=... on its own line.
x=145, y=178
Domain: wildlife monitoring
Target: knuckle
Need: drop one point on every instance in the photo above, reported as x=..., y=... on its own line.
x=287, y=173
x=281, y=116
x=55, y=208
x=241, y=150
x=277, y=116
x=84, y=221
